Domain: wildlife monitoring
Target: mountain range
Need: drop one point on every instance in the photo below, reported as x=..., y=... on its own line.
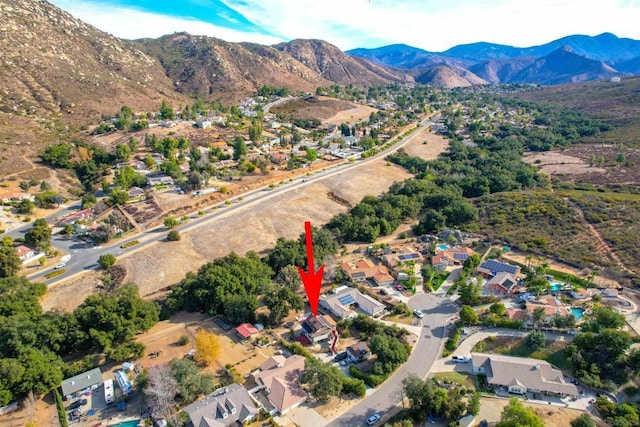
x=54, y=63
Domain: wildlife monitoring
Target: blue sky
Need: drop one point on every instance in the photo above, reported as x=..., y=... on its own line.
x=427, y=24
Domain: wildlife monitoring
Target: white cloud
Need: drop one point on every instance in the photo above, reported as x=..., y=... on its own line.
x=438, y=25
x=428, y=24
x=129, y=23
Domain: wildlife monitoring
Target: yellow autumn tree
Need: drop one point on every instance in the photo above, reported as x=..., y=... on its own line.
x=207, y=347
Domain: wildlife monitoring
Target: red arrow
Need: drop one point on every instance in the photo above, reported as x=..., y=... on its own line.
x=312, y=279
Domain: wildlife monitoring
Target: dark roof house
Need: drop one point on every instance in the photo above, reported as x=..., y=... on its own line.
x=229, y=406
x=81, y=382
x=492, y=267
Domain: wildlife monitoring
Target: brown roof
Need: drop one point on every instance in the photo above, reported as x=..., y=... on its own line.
x=530, y=373
x=281, y=378
x=286, y=393
x=516, y=313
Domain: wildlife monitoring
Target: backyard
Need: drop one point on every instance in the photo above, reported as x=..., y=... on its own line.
x=552, y=352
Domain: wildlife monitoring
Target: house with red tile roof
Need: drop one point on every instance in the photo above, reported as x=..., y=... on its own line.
x=551, y=305
x=364, y=270
x=450, y=257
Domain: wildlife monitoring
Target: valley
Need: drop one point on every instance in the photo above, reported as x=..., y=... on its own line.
x=475, y=212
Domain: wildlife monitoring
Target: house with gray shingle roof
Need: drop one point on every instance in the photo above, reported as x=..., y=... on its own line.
x=227, y=406
x=521, y=375
x=81, y=382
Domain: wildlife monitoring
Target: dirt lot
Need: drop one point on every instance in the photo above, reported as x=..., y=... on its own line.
x=553, y=416
x=572, y=164
x=352, y=115
x=314, y=107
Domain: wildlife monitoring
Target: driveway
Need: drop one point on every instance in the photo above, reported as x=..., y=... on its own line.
x=444, y=364
x=387, y=397
x=306, y=417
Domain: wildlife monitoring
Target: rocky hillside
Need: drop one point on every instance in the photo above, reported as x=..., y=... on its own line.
x=212, y=68
x=449, y=77
x=51, y=62
x=334, y=65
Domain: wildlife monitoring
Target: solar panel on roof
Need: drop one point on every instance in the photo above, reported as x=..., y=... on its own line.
x=347, y=300
x=407, y=256
x=497, y=266
x=460, y=256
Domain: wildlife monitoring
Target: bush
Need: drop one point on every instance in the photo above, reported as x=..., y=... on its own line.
x=173, y=236
x=355, y=386
x=184, y=340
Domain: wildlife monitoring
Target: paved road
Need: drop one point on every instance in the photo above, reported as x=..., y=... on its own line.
x=85, y=257
x=388, y=396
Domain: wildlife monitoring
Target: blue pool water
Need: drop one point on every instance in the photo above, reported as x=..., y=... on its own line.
x=443, y=247
x=555, y=286
x=577, y=312
x=131, y=423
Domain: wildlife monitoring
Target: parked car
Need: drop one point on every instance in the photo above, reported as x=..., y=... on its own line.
x=373, y=419
x=418, y=313
x=77, y=403
x=460, y=359
x=340, y=356
x=59, y=266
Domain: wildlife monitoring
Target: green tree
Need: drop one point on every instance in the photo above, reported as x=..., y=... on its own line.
x=10, y=263
x=539, y=314
x=57, y=156
x=40, y=235
x=469, y=292
x=106, y=261
x=472, y=262
x=603, y=318
x=517, y=415
x=312, y=154
x=537, y=285
x=191, y=382
x=118, y=197
x=170, y=222
x=255, y=133
x=535, y=340
x=166, y=111
x=473, y=405
x=431, y=222
x=322, y=379
x=19, y=297
x=289, y=277
x=123, y=152
x=583, y=420
x=88, y=200
x=173, y=236
x=468, y=315
x=498, y=308
x=239, y=148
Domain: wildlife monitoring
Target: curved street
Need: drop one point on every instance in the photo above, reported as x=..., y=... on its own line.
x=388, y=396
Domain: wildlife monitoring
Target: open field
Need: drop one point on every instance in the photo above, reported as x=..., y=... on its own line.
x=156, y=268
x=314, y=107
x=352, y=115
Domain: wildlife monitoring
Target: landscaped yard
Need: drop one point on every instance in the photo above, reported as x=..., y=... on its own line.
x=460, y=378
x=552, y=352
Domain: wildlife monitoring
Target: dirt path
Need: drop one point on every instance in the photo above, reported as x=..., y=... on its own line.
x=156, y=268
x=602, y=244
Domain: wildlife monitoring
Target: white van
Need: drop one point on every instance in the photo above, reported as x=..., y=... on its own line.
x=108, y=391
x=460, y=359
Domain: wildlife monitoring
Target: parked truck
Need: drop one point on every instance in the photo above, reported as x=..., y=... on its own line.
x=204, y=191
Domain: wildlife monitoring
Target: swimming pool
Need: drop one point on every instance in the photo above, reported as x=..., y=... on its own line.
x=577, y=312
x=443, y=247
x=556, y=287
x=130, y=423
